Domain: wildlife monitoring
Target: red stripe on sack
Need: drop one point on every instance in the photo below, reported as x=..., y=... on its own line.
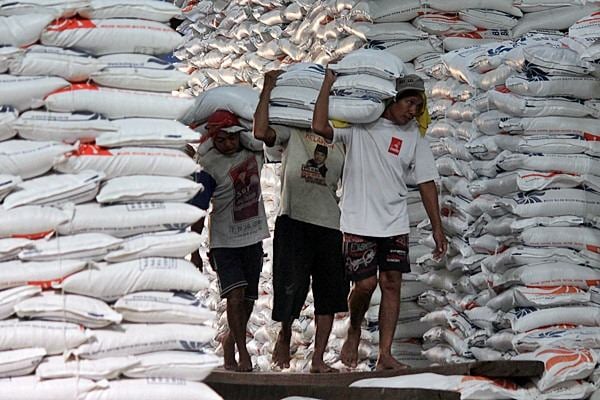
x=90, y=150
x=76, y=86
x=45, y=284
x=33, y=236
x=66, y=24
x=591, y=137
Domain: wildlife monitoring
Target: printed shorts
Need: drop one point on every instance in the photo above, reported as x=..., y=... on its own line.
x=364, y=255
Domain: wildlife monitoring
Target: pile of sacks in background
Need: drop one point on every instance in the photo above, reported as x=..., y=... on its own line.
x=96, y=298
x=229, y=42
x=515, y=138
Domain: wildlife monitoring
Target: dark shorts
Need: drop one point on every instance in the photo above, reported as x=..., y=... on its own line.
x=238, y=267
x=301, y=251
x=365, y=254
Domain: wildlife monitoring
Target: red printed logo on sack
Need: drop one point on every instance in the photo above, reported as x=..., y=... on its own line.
x=395, y=146
x=90, y=150
x=65, y=24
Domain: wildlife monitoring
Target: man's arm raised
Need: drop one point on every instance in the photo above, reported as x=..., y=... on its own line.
x=262, y=130
x=320, y=123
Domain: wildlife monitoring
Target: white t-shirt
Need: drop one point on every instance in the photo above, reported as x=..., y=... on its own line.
x=379, y=156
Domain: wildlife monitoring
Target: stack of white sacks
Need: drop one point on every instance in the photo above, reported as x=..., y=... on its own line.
x=96, y=298
x=516, y=143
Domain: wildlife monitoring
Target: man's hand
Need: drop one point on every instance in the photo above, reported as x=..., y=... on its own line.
x=441, y=244
x=330, y=78
x=197, y=260
x=271, y=79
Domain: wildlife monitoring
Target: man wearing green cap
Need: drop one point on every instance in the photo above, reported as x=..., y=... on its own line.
x=374, y=219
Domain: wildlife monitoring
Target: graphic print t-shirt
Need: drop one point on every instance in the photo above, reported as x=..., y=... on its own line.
x=238, y=216
x=311, y=171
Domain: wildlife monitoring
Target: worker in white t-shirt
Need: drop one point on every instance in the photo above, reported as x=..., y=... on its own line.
x=307, y=245
x=374, y=218
x=237, y=225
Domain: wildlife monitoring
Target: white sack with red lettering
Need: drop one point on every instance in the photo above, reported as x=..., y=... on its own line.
x=576, y=238
x=143, y=9
x=522, y=296
x=125, y=161
x=585, y=127
x=38, y=273
x=556, y=273
x=118, y=103
x=113, y=35
x=562, y=364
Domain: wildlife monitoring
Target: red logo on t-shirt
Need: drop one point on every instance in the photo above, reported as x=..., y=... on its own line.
x=395, y=146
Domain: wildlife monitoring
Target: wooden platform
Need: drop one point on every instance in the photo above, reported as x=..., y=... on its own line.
x=277, y=385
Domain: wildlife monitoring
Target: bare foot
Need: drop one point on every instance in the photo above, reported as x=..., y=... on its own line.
x=349, y=353
x=281, y=353
x=389, y=362
x=245, y=364
x=319, y=367
x=229, y=353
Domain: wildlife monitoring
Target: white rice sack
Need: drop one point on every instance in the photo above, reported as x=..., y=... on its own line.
x=363, y=84
x=7, y=54
x=62, y=127
x=388, y=10
x=488, y=19
x=370, y=62
x=30, y=387
x=489, y=122
x=440, y=24
x=585, y=127
x=10, y=297
x=552, y=144
x=553, y=202
x=385, y=31
x=581, y=87
x=147, y=188
x=522, y=255
x=24, y=92
x=10, y=247
x=118, y=103
x=580, y=164
x=84, y=246
x=529, y=6
x=531, y=180
x=54, y=189
x=23, y=30
x=572, y=337
x=562, y=364
x=290, y=116
x=104, y=36
x=54, y=337
x=455, y=41
x=239, y=100
x=42, y=274
x=154, y=389
x=156, y=244
x=56, y=8
x=112, y=281
x=148, y=132
x=459, y=5
x=572, y=389
x=553, y=60
x=359, y=110
x=106, y=368
x=28, y=159
x=294, y=96
x=408, y=49
x=557, y=273
x=529, y=318
x=82, y=310
x=143, y=9
x=304, y=75
x=71, y=65
x=174, y=364
x=31, y=221
x=132, y=339
x=138, y=72
x=556, y=18
x=131, y=219
x=529, y=106
x=7, y=184
x=125, y=161
x=470, y=387
x=8, y=116
x=521, y=296
x=20, y=362
x=164, y=307
x=577, y=238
